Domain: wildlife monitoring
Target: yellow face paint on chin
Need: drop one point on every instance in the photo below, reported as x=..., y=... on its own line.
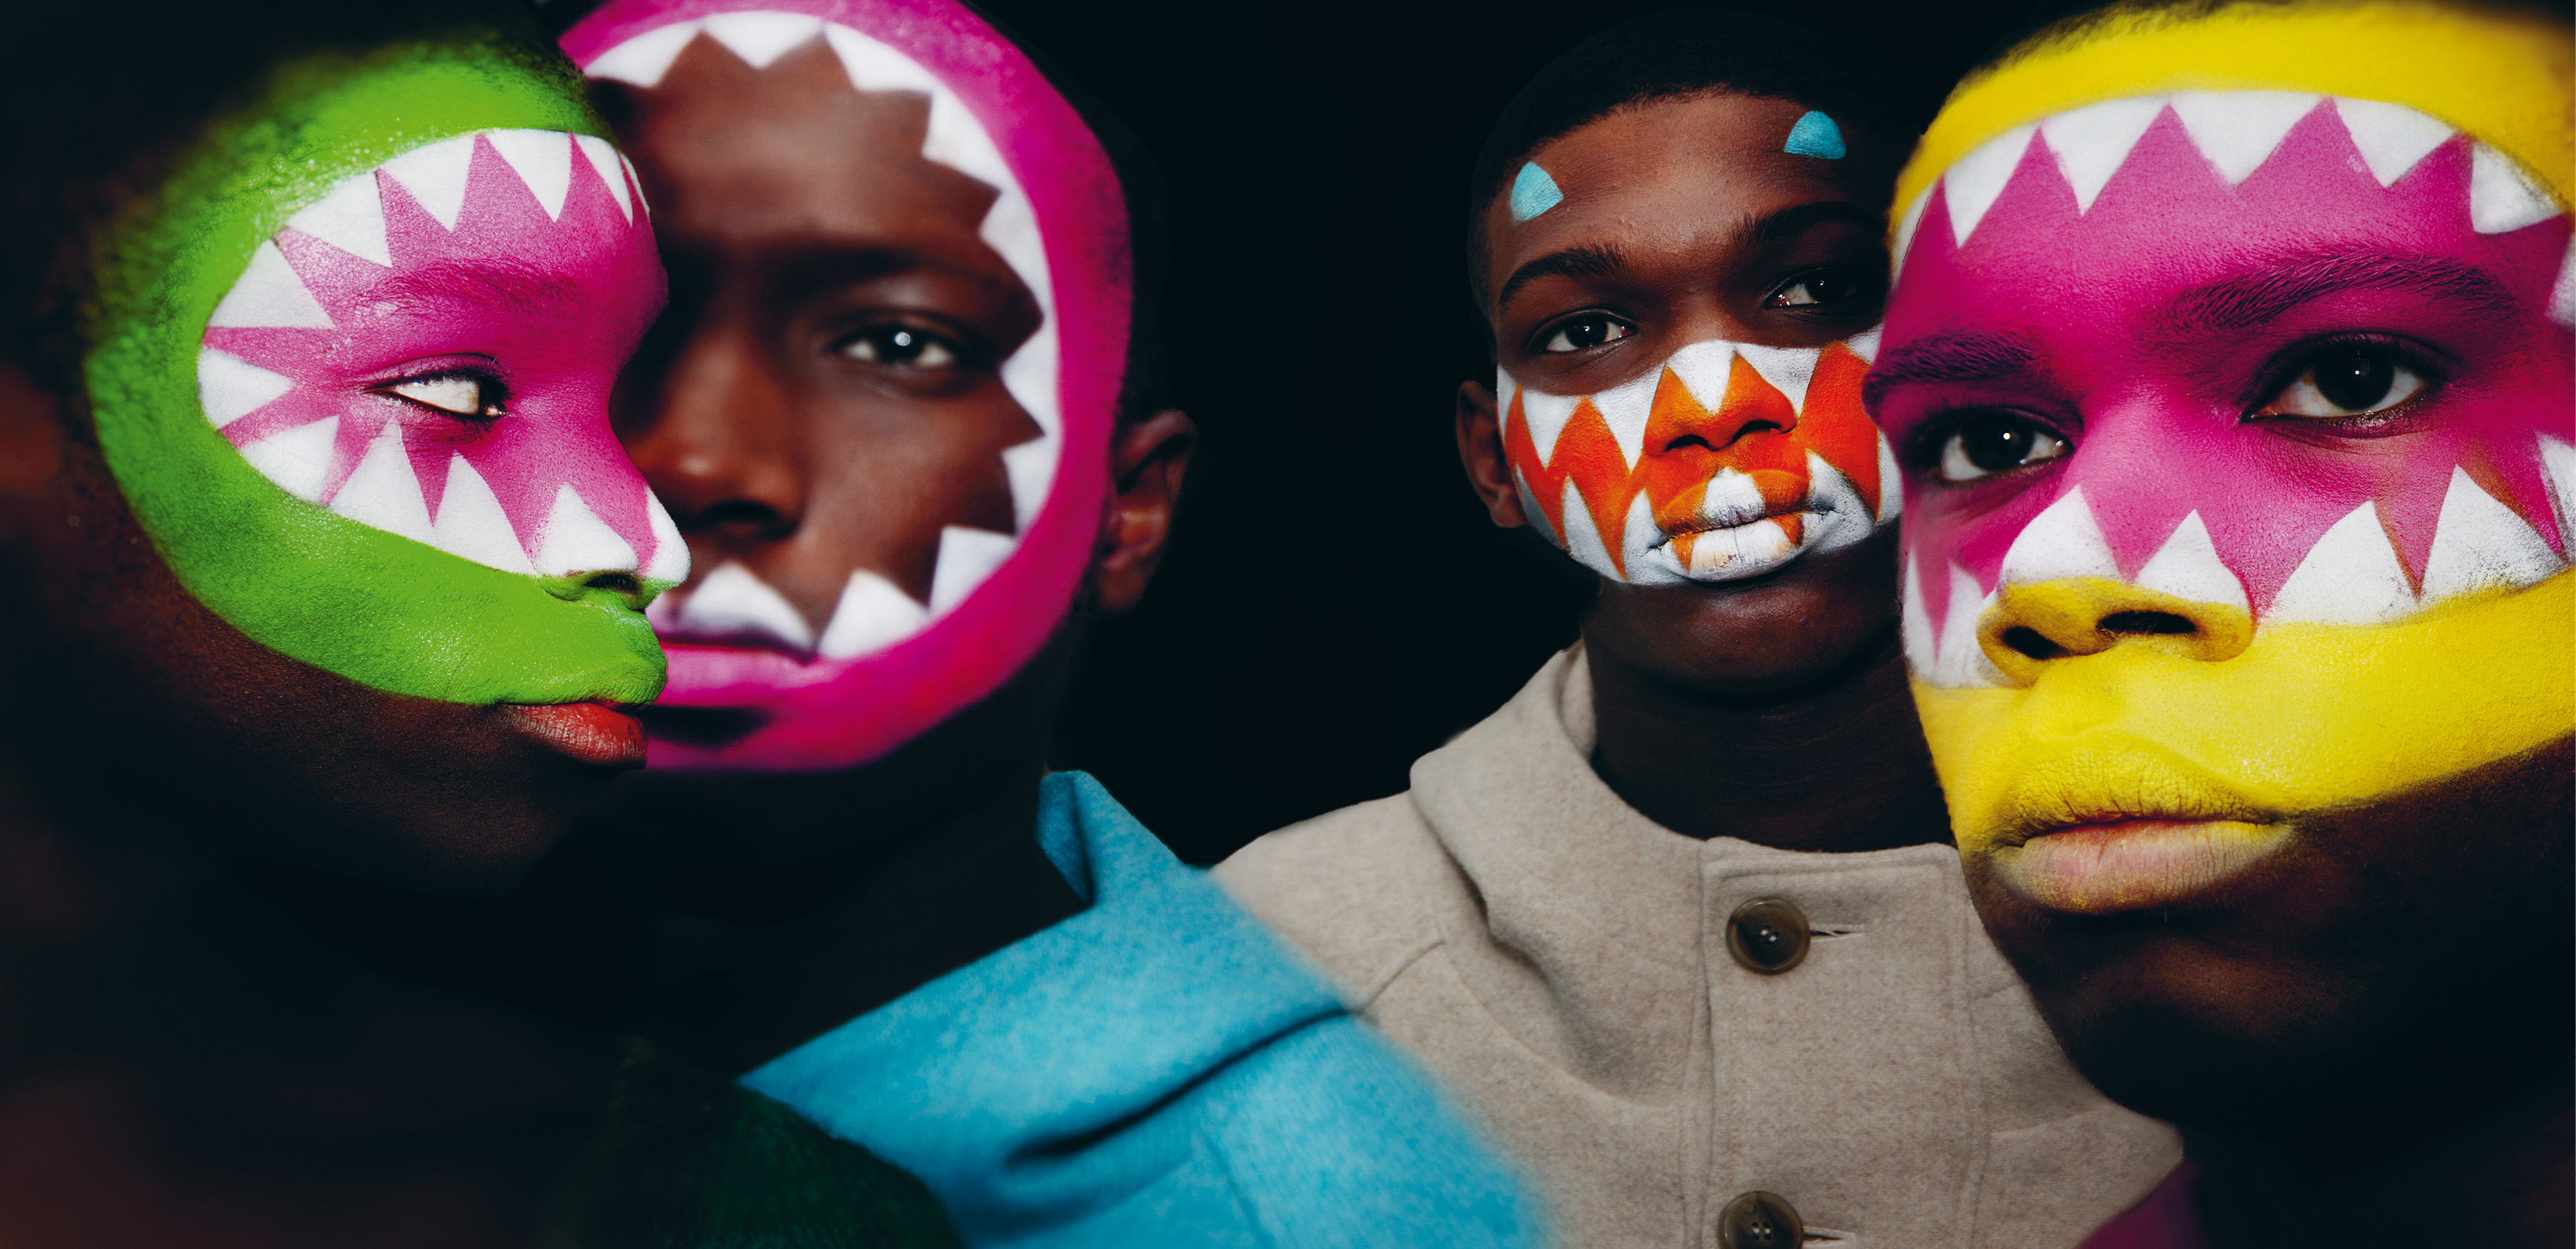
x=2307, y=717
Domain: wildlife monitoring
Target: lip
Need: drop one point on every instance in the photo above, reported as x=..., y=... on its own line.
x=2110, y=866
x=1689, y=527
x=594, y=733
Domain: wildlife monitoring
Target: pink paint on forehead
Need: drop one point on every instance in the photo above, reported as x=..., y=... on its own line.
x=2091, y=290
x=837, y=713
x=554, y=302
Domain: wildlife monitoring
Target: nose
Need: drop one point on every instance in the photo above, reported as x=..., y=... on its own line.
x=718, y=441
x=2033, y=625
x=1748, y=406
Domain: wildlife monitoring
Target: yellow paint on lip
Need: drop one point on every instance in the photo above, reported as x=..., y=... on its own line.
x=2307, y=717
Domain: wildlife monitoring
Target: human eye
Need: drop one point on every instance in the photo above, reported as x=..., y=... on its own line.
x=458, y=393
x=2348, y=377
x=1818, y=288
x=1982, y=444
x=901, y=346
x=1586, y=331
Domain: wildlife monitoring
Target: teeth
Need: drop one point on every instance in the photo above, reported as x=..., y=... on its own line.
x=760, y=38
x=2062, y=542
x=2392, y=138
x=966, y=557
x=1972, y=186
x=1030, y=376
x=383, y=493
x=2558, y=460
x=603, y=160
x=1865, y=344
x=1626, y=408
x=1704, y=369
x=435, y=176
x=1891, y=484
x=1582, y=538
x=1905, y=231
x=2351, y=576
x=1788, y=369
x=1962, y=661
x=1546, y=415
x=575, y=540
x=2092, y=142
x=2239, y=130
x=230, y=388
x=733, y=599
x=542, y=159
x=1921, y=645
x=1731, y=498
x=1031, y=469
x=269, y=296
x=297, y=459
x=2501, y=196
x=643, y=59
x=872, y=66
x=2187, y=566
x=2481, y=544
x=670, y=564
x=873, y=614
x=1536, y=514
x=351, y=218
x=471, y=523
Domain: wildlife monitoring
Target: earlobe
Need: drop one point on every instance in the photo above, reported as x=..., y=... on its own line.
x=1480, y=452
x=1148, y=463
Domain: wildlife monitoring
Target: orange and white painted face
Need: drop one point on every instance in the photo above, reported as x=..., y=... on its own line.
x=1724, y=461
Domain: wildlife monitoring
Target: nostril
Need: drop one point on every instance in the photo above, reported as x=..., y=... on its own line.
x=2147, y=622
x=2032, y=642
x=614, y=582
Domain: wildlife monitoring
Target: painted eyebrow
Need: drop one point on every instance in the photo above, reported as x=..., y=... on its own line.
x=1948, y=358
x=493, y=284
x=2249, y=300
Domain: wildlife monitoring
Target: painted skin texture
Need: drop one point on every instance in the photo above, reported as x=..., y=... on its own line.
x=845, y=681
x=2210, y=600
x=354, y=596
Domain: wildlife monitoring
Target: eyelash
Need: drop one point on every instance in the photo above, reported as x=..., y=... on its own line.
x=2300, y=358
x=492, y=393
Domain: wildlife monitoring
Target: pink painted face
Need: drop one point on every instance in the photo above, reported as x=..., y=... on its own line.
x=801, y=666
x=2308, y=356
x=427, y=350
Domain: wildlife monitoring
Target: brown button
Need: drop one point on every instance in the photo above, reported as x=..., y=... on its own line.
x=1760, y=1221
x=1768, y=935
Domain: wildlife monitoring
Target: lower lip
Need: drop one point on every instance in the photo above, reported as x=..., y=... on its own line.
x=593, y=733
x=2100, y=869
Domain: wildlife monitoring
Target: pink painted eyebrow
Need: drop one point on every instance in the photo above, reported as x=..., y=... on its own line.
x=2251, y=299
x=1965, y=357
x=492, y=283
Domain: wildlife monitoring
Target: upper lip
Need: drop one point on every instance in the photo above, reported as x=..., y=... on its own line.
x=1701, y=524
x=2117, y=787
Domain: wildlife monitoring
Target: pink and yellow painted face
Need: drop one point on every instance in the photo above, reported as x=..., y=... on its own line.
x=887, y=666
x=2234, y=392
x=1726, y=461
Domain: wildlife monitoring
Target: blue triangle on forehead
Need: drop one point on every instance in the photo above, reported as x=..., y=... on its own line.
x=1533, y=192
x=1815, y=135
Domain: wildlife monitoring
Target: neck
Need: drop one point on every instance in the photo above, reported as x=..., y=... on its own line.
x=2503, y=1177
x=187, y=1064
x=790, y=903
x=1836, y=764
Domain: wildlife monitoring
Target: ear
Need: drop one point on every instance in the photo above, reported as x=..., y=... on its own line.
x=1147, y=464
x=31, y=435
x=1480, y=449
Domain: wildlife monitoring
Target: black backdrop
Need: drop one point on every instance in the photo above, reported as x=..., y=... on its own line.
x=1335, y=602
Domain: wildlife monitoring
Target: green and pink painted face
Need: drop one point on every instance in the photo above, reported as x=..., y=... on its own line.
x=353, y=378
x=2308, y=356
x=886, y=669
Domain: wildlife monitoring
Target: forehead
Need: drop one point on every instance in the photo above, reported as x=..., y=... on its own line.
x=1668, y=173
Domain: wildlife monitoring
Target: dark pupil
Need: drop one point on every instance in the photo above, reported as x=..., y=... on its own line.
x=1996, y=445
x=2355, y=382
x=1825, y=289
x=1588, y=332
x=898, y=345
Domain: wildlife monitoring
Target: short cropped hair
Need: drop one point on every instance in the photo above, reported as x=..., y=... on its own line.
x=1668, y=56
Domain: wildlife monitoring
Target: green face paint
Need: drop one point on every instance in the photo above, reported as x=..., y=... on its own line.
x=351, y=372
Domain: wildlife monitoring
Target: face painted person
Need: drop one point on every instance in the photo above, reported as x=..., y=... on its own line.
x=323, y=559
x=1680, y=921
x=902, y=404
x=2229, y=360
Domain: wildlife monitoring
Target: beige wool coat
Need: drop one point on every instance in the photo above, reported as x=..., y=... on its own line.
x=1560, y=962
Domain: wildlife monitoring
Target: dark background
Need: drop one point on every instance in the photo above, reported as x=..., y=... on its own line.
x=1335, y=603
